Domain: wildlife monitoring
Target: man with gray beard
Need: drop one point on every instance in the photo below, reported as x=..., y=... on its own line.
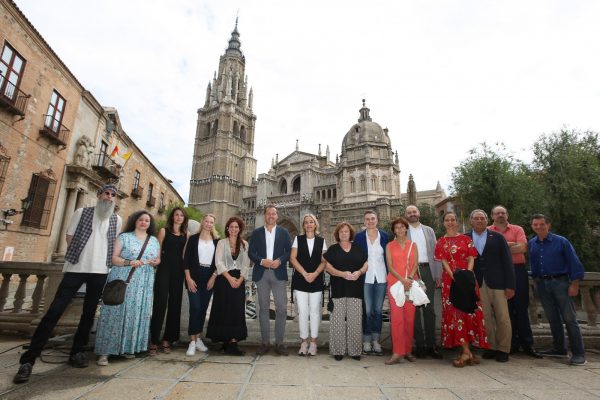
x=90, y=238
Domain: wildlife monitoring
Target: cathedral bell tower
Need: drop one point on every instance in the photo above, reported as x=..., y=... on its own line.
x=223, y=166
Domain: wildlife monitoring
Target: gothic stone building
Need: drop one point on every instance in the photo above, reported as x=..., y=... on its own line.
x=365, y=176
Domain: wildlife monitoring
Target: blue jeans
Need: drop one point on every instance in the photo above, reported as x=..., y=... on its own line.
x=199, y=302
x=559, y=308
x=373, y=303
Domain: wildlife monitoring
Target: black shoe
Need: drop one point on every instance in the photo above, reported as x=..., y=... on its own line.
x=553, y=353
x=23, y=373
x=357, y=358
x=281, y=349
x=501, y=356
x=262, y=349
x=420, y=352
x=514, y=349
x=232, y=349
x=78, y=360
x=489, y=354
x=434, y=352
x=532, y=353
x=338, y=357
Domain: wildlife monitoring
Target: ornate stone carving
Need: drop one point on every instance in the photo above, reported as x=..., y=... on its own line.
x=85, y=151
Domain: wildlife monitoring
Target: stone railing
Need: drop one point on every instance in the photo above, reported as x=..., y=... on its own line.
x=588, y=300
x=23, y=293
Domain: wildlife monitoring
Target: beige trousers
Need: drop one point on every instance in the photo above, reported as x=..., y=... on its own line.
x=497, y=318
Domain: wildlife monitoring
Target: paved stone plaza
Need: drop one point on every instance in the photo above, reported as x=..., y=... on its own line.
x=215, y=376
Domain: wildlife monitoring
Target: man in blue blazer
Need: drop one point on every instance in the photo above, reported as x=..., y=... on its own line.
x=496, y=278
x=269, y=250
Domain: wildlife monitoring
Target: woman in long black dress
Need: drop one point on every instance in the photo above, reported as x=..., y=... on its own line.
x=168, y=282
x=227, y=322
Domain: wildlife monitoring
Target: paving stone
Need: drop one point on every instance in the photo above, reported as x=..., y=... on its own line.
x=269, y=392
x=275, y=374
x=346, y=372
x=157, y=370
x=195, y=390
x=219, y=372
x=500, y=394
x=565, y=394
x=130, y=389
x=402, y=375
x=53, y=387
x=521, y=377
x=346, y=393
x=451, y=377
x=419, y=394
x=577, y=377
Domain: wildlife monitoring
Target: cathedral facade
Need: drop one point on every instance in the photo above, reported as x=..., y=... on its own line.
x=365, y=176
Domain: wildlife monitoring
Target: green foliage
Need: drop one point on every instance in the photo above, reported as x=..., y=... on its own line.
x=492, y=176
x=192, y=213
x=562, y=182
x=567, y=164
x=430, y=218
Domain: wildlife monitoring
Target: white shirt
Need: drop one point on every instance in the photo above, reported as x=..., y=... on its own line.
x=376, y=268
x=311, y=245
x=206, y=250
x=418, y=236
x=93, y=256
x=270, y=240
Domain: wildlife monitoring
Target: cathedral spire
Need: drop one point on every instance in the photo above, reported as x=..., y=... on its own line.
x=364, y=113
x=234, y=42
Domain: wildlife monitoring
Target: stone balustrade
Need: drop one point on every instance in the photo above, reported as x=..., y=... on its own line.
x=23, y=293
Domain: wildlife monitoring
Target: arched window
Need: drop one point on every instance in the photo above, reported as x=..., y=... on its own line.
x=363, y=184
x=243, y=133
x=318, y=195
x=236, y=129
x=384, y=185
x=296, y=185
x=283, y=187
x=215, y=127
x=207, y=130
x=374, y=183
x=334, y=193
x=352, y=185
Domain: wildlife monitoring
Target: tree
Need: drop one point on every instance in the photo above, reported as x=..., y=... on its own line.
x=430, y=218
x=567, y=165
x=492, y=176
x=193, y=214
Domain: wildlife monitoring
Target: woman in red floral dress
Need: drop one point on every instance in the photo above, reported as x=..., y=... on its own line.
x=456, y=251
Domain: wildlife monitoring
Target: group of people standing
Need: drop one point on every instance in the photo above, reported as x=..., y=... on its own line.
x=482, y=275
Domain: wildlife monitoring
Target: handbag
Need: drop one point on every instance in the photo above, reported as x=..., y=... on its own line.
x=114, y=291
x=397, y=289
x=416, y=293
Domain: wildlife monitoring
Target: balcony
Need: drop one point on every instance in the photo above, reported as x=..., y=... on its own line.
x=137, y=192
x=151, y=201
x=12, y=98
x=161, y=209
x=106, y=166
x=55, y=131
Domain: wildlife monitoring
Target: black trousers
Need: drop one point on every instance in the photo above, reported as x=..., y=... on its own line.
x=518, y=307
x=168, y=292
x=425, y=315
x=67, y=289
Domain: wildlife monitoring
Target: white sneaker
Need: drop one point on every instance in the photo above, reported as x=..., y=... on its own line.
x=377, y=348
x=191, y=349
x=102, y=361
x=366, y=347
x=312, y=349
x=200, y=345
x=128, y=356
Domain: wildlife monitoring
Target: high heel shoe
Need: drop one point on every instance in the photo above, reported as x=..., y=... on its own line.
x=393, y=360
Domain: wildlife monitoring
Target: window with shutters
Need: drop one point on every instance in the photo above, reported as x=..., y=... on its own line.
x=41, y=196
x=4, y=160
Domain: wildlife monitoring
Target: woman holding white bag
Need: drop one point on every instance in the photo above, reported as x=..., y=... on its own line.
x=402, y=260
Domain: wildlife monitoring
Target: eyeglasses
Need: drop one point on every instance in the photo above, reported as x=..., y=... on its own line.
x=111, y=194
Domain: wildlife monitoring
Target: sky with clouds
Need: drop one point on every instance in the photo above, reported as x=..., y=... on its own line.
x=442, y=76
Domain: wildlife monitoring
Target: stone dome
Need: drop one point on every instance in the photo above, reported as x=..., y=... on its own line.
x=365, y=130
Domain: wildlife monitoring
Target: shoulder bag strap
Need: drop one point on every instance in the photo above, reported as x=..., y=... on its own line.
x=408, y=260
x=139, y=257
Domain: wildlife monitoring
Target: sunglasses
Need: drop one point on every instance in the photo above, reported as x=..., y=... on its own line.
x=111, y=194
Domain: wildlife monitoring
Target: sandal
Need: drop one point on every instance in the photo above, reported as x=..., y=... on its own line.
x=473, y=360
x=393, y=360
x=152, y=350
x=461, y=361
x=166, y=348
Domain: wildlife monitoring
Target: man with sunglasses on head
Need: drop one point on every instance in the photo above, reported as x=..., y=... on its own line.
x=90, y=238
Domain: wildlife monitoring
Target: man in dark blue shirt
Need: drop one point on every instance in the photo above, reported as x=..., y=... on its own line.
x=557, y=271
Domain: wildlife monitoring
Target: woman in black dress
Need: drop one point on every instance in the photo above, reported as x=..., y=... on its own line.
x=347, y=265
x=227, y=322
x=168, y=282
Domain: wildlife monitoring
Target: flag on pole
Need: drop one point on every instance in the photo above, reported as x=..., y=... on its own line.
x=115, y=151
